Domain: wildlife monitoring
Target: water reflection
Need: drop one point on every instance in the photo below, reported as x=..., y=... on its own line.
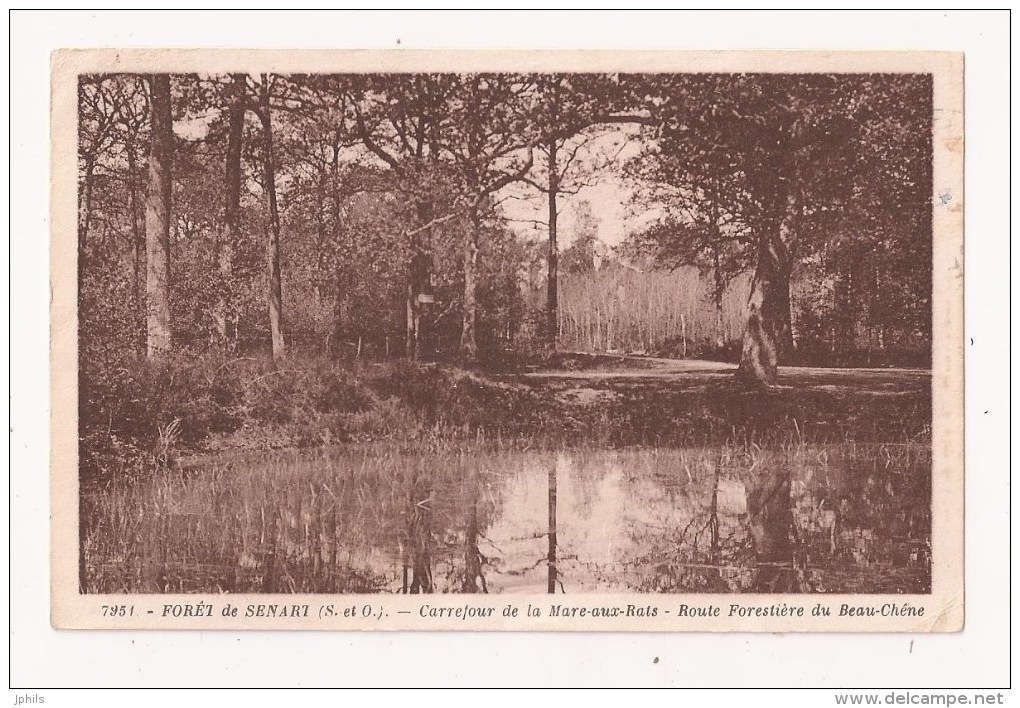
x=551, y=559
x=818, y=520
x=417, y=541
x=842, y=518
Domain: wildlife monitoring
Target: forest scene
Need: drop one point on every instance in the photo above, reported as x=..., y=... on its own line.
x=504, y=332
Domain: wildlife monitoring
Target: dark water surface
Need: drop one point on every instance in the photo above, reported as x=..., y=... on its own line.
x=839, y=518
x=666, y=521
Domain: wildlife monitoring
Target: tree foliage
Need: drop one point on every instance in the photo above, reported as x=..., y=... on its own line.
x=383, y=198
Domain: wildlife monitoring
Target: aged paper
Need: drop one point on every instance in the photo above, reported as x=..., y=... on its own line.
x=586, y=341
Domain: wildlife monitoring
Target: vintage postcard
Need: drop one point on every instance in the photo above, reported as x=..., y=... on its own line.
x=525, y=341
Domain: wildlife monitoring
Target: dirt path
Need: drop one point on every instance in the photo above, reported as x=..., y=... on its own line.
x=616, y=372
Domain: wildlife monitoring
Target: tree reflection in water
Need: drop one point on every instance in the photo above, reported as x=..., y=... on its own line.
x=474, y=576
x=419, y=535
x=817, y=519
x=770, y=526
x=551, y=585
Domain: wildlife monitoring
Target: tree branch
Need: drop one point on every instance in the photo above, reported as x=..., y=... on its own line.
x=507, y=178
x=435, y=222
x=373, y=146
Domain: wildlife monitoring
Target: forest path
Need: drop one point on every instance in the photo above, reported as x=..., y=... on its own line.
x=617, y=372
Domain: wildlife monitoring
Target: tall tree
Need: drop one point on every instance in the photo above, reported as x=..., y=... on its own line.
x=552, y=298
x=451, y=141
x=574, y=118
x=698, y=224
x=315, y=149
x=564, y=174
x=226, y=327
x=769, y=330
x=99, y=110
x=399, y=120
x=274, y=281
x=723, y=145
x=779, y=153
x=134, y=115
x=157, y=220
x=580, y=256
x=812, y=173
x=491, y=140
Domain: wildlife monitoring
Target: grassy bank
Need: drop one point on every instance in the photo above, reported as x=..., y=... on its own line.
x=138, y=419
x=141, y=417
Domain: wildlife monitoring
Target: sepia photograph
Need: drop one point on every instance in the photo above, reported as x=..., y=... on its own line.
x=494, y=349
x=576, y=332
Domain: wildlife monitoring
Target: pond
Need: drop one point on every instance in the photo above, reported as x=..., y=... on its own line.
x=809, y=518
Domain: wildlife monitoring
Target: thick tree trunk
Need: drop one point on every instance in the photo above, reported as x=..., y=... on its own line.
x=552, y=297
x=157, y=222
x=768, y=336
x=768, y=333
x=275, y=294
x=231, y=233
x=468, y=339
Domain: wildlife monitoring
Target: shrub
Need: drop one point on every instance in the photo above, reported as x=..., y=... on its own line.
x=337, y=392
x=419, y=385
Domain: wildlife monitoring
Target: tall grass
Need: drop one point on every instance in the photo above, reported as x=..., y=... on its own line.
x=618, y=308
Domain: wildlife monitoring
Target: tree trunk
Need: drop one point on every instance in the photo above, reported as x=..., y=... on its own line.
x=847, y=300
x=720, y=330
x=719, y=284
x=552, y=297
x=418, y=281
x=275, y=294
x=413, y=318
x=768, y=333
x=85, y=205
x=468, y=340
x=137, y=247
x=318, y=276
x=230, y=235
x=157, y=222
x=340, y=292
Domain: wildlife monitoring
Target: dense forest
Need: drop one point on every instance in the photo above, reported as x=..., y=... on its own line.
x=366, y=215
x=245, y=240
